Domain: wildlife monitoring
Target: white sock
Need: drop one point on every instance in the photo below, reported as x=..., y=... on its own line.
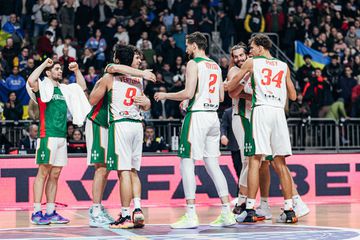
x=50, y=208
x=37, y=207
x=125, y=211
x=288, y=204
x=137, y=203
x=191, y=210
x=297, y=199
x=250, y=203
x=264, y=202
x=96, y=209
x=225, y=208
x=241, y=199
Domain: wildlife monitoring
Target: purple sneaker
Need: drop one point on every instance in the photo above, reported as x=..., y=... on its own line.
x=39, y=219
x=56, y=218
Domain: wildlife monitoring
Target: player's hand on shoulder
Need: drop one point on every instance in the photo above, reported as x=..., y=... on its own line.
x=225, y=85
x=159, y=96
x=149, y=75
x=109, y=68
x=73, y=66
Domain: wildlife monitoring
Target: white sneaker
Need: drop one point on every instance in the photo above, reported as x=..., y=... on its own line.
x=107, y=215
x=186, y=222
x=264, y=211
x=234, y=201
x=224, y=220
x=99, y=220
x=301, y=209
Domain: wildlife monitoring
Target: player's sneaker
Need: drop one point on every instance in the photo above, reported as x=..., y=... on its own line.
x=105, y=213
x=287, y=217
x=98, y=221
x=39, y=219
x=301, y=209
x=264, y=212
x=138, y=218
x=238, y=209
x=247, y=216
x=122, y=222
x=224, y=220
x=56, y=218
x=186, y=222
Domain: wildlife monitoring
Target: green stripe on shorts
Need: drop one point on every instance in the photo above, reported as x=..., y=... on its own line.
x=185, y=145
x=97, y=151
x=43, y=153
x=112, y=157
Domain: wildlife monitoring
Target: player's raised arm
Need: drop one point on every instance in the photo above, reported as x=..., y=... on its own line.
x=100, y=89
x=291, y=92
x=34, y=76
x=124, y=69
x=234, y=82
x=78, y=75
x=190, y=85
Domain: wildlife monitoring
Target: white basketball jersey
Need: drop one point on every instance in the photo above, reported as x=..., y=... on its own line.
x=207, y=93
x=269, y=82
x=121, y=102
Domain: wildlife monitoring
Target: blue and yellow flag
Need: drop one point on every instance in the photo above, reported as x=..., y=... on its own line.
x=318, y=59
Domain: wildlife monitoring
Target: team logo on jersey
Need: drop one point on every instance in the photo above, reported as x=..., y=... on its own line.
x=58, y=97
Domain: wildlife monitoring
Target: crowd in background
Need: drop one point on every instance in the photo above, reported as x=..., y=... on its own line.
x=86, y=31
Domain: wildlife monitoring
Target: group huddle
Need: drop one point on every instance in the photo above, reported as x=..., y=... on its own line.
x=259, y=86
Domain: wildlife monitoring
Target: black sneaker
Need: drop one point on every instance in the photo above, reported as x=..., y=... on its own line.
x=238, y=209
x=122, y=222
x=251, y=216
x=138, y=218
x=287, y=216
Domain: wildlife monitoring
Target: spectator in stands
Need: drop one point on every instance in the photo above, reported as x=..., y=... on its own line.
x=29, y=141
x=163, y=109
x=172, y=52
x=65, y=60
x=15, y=81
x=67, y=43
x=83, y=16
x=344, y=88
x=21, y=60
x=41, y=11
x=91, y=78
x=339, y=45
x=179, y=37
x=77, y=144
x=33, y=110
x=66, y=17
x=228, y=139
x=13, y=27
x=167, y=19
x=87, y=60
x=254, y=21
x=337, y=110
x=86, y=32
x=5, y=144
x=44, y=47
x=122, y=35
x=227, y=31
x=333, y=70
x=152, y=143
x=120, y=12
x=351, y=37
x=13, y=109
x=98, y=45
x=109, y=30
x=30, y=67
x=149, y=54
x=3, y=64
x=54, y=28
x=305, y=72
x=9, y=52
x=206, y=22
x=144, y=37
x=70, y=130
x=275, y=19
x=101, y=13
x=299, y=109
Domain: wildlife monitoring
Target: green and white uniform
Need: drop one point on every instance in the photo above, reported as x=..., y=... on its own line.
x=269, y=126
x=51, y=142
x=242, y=129
x=125, y=130
x=200, y=132
x=96, y=132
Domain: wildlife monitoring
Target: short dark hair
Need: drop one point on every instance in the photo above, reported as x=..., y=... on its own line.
x=199, y=39
x=307, y=56
x=51, y=67
x=261, y=40
x=239, y=46
x=125, y=54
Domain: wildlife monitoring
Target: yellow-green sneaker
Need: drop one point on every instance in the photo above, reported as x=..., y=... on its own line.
x=186, y=221
x=224, y=220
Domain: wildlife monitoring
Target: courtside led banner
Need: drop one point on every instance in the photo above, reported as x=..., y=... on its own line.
x=322, y=178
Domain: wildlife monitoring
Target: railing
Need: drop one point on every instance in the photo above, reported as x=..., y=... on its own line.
x=310, y=135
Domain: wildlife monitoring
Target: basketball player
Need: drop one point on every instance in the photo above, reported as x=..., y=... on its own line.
x=51, y=152
x=242, y=131
x=200, y=132
x=271, y=85
x=96, y=139
x=126, y=99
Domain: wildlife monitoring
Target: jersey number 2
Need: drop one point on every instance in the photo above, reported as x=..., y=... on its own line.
x=130, y=93
x=213, y=79
x=268, y=75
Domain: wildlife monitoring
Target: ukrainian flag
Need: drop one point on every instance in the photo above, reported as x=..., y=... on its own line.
x=318, y=59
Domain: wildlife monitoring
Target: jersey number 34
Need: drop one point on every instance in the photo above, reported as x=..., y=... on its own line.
x=269, y=77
